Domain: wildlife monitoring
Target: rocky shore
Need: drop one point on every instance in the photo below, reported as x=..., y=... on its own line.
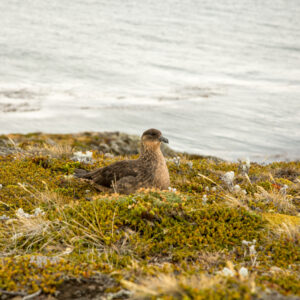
x=114, y=143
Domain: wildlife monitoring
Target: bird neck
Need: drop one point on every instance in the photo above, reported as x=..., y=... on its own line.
x=148, y=151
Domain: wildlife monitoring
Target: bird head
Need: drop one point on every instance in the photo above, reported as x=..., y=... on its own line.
x=152, y=138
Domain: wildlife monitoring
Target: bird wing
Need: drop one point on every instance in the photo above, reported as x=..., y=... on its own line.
x=127, y=185
x=114, y=172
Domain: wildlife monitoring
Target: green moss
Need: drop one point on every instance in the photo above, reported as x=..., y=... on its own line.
x=164, y=225
x=24, y=274
x=267, y=185
x=287, y=284
x=149, y=232
x=283, y=252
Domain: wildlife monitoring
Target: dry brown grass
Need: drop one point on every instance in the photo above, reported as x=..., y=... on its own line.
x=168, y=284
x=47, y=197
x=280, y=200
x=287, y=228
x=24, y=233
x=210, y=260
x=55, y=151
x=21, y=233
x=236, y=201
x=59, y=150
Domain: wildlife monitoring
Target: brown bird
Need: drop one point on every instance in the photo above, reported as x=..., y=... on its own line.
x=127, y=176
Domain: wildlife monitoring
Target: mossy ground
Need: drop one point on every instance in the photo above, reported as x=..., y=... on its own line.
x=156, y=244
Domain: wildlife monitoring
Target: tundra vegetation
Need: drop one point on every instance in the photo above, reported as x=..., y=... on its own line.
x=223, y=230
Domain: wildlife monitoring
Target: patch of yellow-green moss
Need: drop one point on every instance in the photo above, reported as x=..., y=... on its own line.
x=196, y=228
x=25, y=274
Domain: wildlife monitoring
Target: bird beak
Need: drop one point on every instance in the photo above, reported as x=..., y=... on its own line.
x=163, y=139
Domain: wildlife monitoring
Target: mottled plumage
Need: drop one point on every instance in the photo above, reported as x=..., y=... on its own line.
x=127, y=176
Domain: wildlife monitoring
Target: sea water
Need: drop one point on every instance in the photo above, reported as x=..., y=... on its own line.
x=216, y=77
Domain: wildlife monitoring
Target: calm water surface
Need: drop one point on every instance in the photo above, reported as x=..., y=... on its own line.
x=217, y=77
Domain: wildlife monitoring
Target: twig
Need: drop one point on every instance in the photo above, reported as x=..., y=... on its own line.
x=12, y=293
x=112, y=224
x=205, y=177
x=114, y=184
x=248, y=179
x=31, y=296
x=12, y=142
x=4, y=204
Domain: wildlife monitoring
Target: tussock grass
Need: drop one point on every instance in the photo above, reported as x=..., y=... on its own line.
x=280, y=200
x=54, y=151
x=201, y=286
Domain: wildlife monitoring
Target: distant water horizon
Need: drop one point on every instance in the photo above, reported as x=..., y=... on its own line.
x=218, y=78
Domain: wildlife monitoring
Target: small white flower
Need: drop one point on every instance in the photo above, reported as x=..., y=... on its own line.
x=252, y=250
x=247, y=162
x=213, y=189
x=236, y=188
x=83, y=157
x=41, y=260
x=172, y=189
x=246, y=243
x=176, y=161
x=38, y=211
x=204, y=199
x=21, y=214
x=245, y=165
x=190, y=164
x=89, y=154
x=244, y=272
x=4, y=217
x=207, y=188
x=244, y=192
x=228, y=178
x=283, y=189
x=227, y=272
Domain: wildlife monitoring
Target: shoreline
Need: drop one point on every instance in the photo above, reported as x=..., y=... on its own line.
x=104, y=142
x=113, y=142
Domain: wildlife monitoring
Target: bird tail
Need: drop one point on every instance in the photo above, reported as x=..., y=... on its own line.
x=80, y=173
